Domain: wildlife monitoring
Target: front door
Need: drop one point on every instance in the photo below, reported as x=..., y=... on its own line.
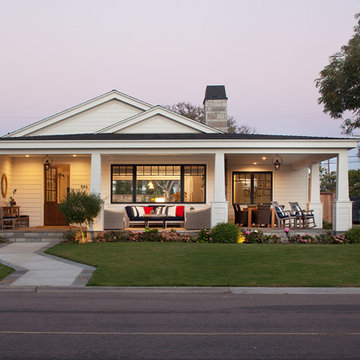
x=57, y=185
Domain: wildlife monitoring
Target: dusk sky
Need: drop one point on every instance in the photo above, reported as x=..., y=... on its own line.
x=57, y=54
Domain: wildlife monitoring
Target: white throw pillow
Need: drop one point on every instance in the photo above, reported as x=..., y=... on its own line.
x=140, y=210
x=159, y=210
x=171, y=211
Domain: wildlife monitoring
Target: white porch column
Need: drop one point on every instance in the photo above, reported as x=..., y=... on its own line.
x=219, y=205
x=342, y=206
x=315, y=202
x=95, y=186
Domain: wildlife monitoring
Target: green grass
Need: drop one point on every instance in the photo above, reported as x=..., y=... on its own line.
x=5, y=271
x=184, y=264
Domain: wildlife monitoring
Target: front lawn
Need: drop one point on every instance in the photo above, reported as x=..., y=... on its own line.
x=5, y=271
x=190, y=264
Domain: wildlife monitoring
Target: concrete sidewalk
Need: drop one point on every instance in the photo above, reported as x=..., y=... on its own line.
x=33, y=268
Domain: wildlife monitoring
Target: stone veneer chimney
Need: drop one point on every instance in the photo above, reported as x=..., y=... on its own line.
x=215, y=107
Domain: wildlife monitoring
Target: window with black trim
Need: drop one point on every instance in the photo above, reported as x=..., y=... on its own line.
x=158, y=183
x=252, y=187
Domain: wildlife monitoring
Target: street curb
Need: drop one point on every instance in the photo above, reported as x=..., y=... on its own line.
x=187, y=290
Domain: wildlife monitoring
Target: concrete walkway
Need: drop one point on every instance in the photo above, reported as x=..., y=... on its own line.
x=33, y=268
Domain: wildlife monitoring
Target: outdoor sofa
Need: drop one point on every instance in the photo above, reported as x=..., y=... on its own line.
x=164, y=214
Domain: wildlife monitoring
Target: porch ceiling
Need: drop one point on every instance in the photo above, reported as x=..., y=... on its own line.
x=293, y=160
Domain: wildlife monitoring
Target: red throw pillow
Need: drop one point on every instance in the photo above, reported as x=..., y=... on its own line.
x=179, y=211
x=148, y=210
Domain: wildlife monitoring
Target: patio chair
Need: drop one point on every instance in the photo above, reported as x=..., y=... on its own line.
x=306, y=217
x=7, y=222
x=263, y=215
x=241, y=216
x=283, y=218
x=200, y=219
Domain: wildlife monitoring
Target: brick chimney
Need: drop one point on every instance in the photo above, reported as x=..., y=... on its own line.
x=215, y=107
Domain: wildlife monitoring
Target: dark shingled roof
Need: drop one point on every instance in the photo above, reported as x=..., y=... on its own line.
x=120, y=137
x=215, y=92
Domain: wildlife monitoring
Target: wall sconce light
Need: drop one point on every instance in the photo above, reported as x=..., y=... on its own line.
x=47, y=162
x=277, y=162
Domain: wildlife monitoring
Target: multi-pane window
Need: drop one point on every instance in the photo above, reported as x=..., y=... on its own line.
x=158, y=183
x=194, y=183
x=252, y=187
x=122, y=184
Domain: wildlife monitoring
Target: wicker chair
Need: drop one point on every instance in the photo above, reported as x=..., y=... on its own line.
x=241, y=216
x=263, y=215
x=7, y=222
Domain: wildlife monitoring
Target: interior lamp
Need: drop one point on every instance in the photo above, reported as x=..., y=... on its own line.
x=150, y=185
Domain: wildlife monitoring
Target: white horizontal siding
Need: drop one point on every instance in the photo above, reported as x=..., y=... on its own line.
x=157, y=124
x=6, y=168
x=91, y=120
x=28, y=179
x=291, y=185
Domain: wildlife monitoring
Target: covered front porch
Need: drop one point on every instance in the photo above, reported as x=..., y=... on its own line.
x=199, y=178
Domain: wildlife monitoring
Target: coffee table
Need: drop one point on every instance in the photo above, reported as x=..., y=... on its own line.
x=155, y=218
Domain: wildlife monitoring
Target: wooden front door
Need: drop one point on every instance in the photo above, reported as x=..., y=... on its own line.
x=52, y=214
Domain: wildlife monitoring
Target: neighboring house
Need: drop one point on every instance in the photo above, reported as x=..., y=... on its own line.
x=119, y=146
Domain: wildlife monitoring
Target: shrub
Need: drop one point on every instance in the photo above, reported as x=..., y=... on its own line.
x=255, y=236
x=353, y=235
x=140, y=236
x=224, y=233
x=327, y=225
x=203, y=236
x=72, y=236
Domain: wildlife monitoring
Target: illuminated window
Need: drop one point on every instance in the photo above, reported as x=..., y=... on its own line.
x=158, y=183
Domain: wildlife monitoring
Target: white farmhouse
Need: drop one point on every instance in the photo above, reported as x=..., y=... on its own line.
x=117, y=145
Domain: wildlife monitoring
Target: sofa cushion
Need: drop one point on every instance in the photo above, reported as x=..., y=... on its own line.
x=134, y=210
x=159, y=210
x=129, y=211
x=140, y=210
x=179, y=211
x=171, y=211
x=148, y=209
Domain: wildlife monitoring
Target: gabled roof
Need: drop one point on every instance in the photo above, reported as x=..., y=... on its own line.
x=51, y=120
x=184, y=122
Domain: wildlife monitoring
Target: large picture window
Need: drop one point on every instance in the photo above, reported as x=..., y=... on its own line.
x=252, y=187
x=158, y=183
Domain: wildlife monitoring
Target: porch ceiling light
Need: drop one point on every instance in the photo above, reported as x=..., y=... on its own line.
x=277, y=162
x=47, y=162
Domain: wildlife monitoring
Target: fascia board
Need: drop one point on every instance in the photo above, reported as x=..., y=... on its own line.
x=159, y=110
x=77, y=109
x=229, y=146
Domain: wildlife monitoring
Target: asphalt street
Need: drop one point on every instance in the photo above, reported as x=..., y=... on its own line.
x=114, y=325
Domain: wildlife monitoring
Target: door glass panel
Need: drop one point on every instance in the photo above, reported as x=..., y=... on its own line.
x=242, y=188
x=252, y=188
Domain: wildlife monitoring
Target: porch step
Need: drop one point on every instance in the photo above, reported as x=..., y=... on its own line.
x=32, y=236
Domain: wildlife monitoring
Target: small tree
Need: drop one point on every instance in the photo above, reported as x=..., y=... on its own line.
x=80, y=207
x=327, y=180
